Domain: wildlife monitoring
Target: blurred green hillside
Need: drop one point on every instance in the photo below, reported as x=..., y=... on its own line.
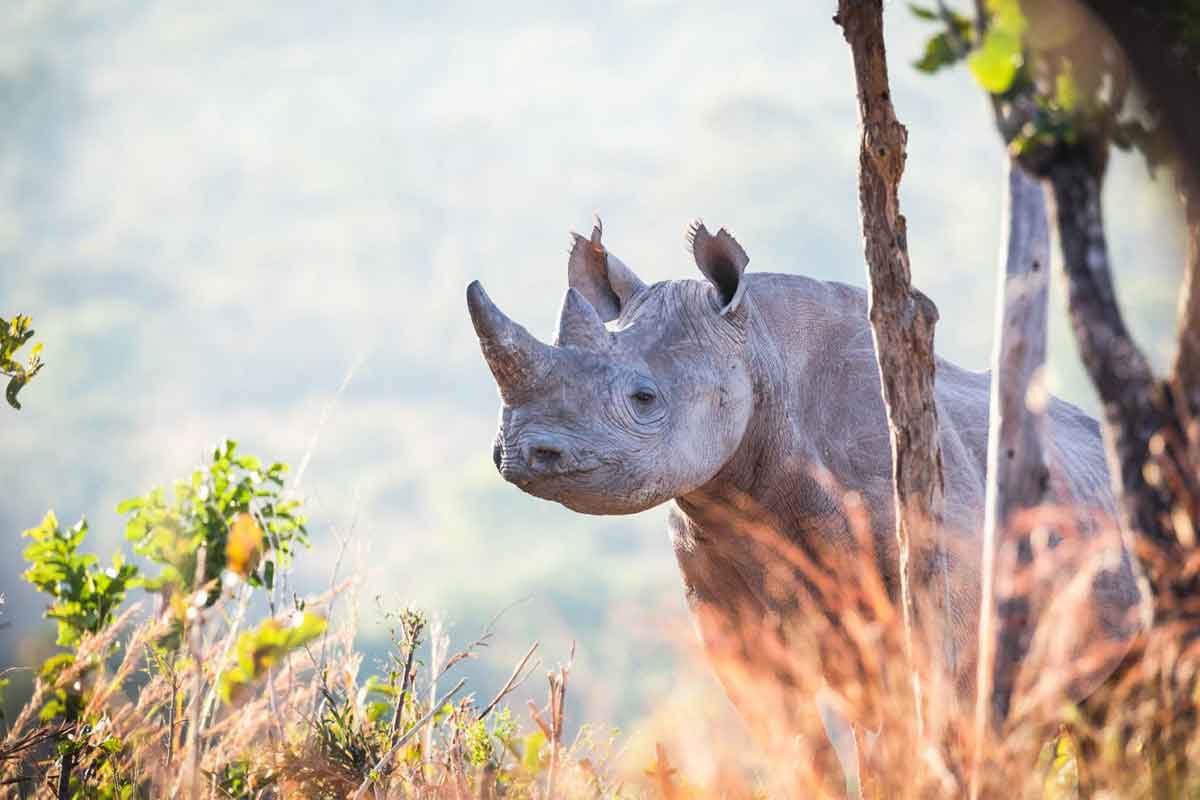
x=257, y=220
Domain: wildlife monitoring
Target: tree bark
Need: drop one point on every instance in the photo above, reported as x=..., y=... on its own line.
x=1017, y=476
x=902, y=318
x=1133, y=403
x=1151, y=426
x=1152, y=432
x=1153, y=443
x=1185, y=372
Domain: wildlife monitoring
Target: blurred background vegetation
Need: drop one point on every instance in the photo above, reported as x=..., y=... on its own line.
x=257, y=220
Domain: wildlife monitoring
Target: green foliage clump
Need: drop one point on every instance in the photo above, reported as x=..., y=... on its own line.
x=197, y=703
x=1047, y=61
x=1061, y=101
x=995, y=60
x=14, y=334
x=1001, y=53
x=947, y=48
x=241, y=779
x=106, y=772
x=486, y=743
x=261, y=649
x=225, y=512
x=84, y=597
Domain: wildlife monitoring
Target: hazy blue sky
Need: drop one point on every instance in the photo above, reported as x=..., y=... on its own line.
x=215, y=211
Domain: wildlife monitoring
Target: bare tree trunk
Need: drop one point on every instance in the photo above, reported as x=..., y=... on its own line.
x=1153, y=441
x=902, y=319
x=1017, y=476
x=1133, y=402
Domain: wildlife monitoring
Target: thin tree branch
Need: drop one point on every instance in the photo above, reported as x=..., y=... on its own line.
x=514, y=680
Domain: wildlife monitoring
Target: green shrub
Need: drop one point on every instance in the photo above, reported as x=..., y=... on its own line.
x=233, y=512
x=83, y=596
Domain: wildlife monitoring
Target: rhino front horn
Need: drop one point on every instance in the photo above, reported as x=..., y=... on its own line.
x=514, y=355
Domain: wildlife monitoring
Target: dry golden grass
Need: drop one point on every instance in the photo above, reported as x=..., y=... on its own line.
x=152, y=723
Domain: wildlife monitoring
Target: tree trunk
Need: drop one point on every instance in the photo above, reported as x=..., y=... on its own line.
x=1151, y=427
x=1133, y=403
x=1017, y=476
x=902, y=319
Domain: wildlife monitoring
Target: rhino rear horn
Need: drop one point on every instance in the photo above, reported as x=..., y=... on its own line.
x=723, y=262
x=515, y=356
x=600, y=277
x=579, y=325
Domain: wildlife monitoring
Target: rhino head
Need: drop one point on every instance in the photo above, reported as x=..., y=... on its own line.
x=646, y=392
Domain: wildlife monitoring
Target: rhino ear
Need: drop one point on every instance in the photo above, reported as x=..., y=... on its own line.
x=599, y=276
x=723, y=262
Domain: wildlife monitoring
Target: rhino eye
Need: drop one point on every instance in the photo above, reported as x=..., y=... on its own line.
x=644, y=404
x=643, y=397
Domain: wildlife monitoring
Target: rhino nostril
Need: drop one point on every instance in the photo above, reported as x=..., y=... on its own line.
x=544, y=456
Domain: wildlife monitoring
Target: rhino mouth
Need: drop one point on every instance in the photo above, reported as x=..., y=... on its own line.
x=518, y=472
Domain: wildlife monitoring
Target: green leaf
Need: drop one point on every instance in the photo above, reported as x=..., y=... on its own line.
x=531, y=756
x=923, y=12
x=377, y=710
x=995, y=63
x=54, y=665
x=261, y=649
x=1062, y=777
x=939, y=53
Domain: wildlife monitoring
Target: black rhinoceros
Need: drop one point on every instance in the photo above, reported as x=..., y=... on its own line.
x=752, y=401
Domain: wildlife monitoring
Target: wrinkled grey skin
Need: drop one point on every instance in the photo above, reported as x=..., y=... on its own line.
x=744, y=398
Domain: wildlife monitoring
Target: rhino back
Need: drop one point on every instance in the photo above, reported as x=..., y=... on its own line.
x=833, y=393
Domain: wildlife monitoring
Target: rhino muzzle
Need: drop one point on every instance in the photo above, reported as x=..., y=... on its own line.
x=539, y=457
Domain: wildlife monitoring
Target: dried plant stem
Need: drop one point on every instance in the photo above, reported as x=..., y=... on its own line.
x=514, y=680
x=558, y=694
x=405, y=684
x=195, y=643
x=230, y=638
x=403, y=740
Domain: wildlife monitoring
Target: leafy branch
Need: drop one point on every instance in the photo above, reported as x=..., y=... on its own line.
x=14, y=335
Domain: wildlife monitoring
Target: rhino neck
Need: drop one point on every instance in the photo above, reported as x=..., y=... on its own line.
x=772, y=480
x=812, y=365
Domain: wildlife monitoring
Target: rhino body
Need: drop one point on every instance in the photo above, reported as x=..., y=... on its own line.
x=752, y=402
